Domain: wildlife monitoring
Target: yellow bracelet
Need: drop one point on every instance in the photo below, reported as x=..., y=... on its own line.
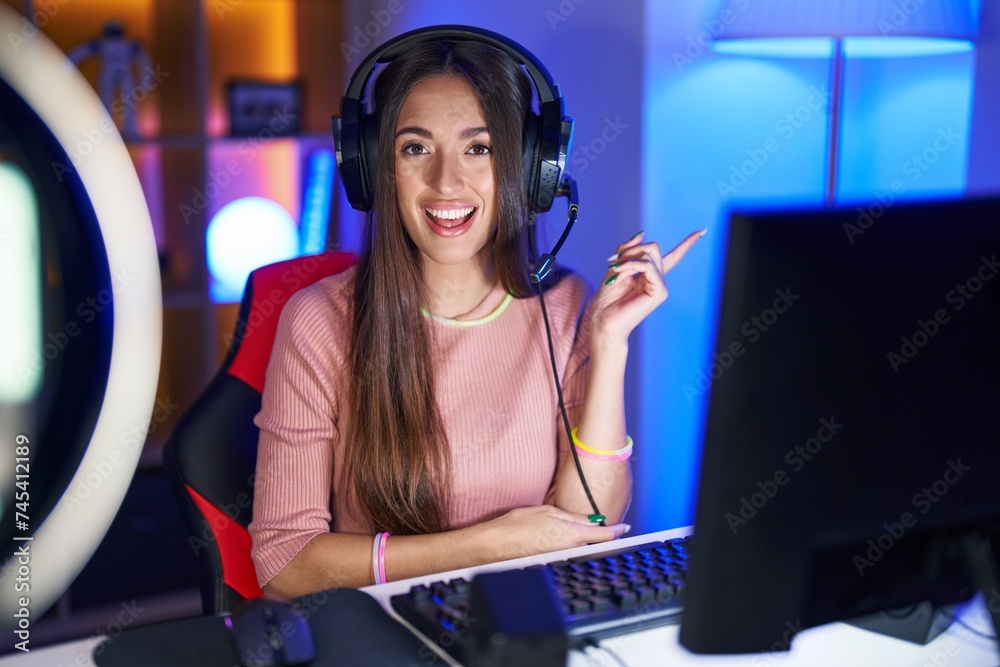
x=602, y=452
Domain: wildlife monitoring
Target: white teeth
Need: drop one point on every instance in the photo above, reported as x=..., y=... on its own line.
x=450, y=214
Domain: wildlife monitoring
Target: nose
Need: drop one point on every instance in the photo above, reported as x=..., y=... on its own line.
x=446, y=173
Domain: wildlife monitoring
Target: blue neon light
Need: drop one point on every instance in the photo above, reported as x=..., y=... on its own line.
x=776, y=47
x=316, y=201
x=854, y=47
x=903, y=47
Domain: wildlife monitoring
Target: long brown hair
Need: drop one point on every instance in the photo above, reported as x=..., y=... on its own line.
x=397, y=456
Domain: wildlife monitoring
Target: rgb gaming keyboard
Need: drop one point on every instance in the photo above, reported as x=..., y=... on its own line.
x=600, y=595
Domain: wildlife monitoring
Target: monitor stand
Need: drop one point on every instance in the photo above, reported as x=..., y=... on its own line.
x=922, y=622
x=919, y=623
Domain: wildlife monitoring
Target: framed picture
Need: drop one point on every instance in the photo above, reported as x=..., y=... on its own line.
x=264, y=108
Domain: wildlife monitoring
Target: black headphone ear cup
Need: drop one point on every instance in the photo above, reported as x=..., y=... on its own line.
x=531, y=158
x=368, y=145
x=554, y=136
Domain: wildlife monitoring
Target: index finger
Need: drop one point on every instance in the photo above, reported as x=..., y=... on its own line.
x=673, y=258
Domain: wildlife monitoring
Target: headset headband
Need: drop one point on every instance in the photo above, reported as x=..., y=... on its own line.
x=394, y=47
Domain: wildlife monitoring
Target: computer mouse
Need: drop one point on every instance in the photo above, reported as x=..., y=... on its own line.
x=270, y=633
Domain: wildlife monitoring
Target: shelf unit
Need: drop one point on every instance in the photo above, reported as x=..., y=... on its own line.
x=195, y=47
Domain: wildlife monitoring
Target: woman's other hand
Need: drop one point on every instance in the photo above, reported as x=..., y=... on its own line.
x=527, y=531
x=634, y=285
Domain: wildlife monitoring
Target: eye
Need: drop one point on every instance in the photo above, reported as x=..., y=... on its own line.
x=413, y=149
x=481, y=149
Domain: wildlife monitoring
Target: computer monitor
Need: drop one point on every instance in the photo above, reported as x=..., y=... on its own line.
x=852, y=439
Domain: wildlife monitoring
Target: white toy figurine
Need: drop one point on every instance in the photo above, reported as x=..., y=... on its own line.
x=116, y=81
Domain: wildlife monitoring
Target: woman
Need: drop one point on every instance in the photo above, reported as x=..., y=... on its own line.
x=412, y=395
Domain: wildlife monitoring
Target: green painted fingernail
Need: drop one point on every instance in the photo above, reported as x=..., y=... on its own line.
x=638, y=233
x=611, y=279
x=614, y=266
x=596, y=518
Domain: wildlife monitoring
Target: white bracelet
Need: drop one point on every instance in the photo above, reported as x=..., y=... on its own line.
x=378, y=538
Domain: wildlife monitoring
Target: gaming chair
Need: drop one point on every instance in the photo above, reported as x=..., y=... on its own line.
x=211, y=457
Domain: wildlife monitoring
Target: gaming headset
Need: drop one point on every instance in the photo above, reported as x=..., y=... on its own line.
x=546, y=134
x=546, y=140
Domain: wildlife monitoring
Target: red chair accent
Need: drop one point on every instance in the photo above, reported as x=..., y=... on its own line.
x=211, y=456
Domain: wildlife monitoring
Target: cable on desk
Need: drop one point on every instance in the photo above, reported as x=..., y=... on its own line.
x=585, y=652
x=971, y=629
x=591, y=642
x=596, y=657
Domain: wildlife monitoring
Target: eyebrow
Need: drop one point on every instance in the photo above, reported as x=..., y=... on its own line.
x=467, y=133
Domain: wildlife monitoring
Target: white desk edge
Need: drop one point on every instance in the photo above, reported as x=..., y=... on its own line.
x=830, y=645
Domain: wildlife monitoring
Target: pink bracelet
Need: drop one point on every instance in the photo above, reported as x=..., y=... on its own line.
x=381, y=557
x=618, y=457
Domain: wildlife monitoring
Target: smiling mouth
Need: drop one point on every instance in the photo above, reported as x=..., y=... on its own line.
x=450, y=218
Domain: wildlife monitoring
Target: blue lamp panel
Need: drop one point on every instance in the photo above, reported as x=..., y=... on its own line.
x=905, y=127
x=854, y=47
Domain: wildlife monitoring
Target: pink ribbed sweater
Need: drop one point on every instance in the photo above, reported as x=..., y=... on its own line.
x=495, y=393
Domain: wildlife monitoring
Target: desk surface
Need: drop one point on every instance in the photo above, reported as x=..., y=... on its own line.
x=832, y=645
